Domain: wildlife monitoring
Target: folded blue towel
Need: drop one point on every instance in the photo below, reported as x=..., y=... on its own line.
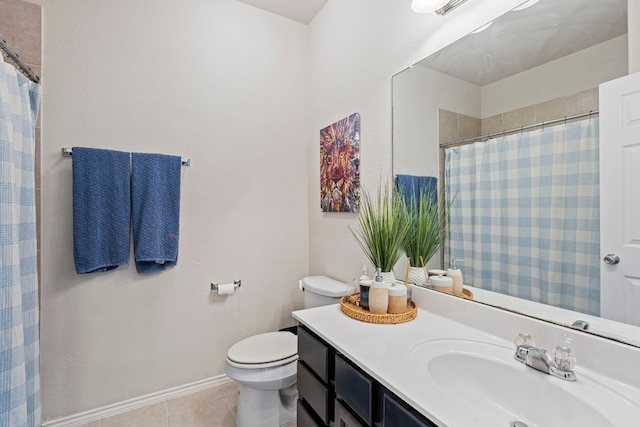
x=411, y=186
x=101, y=209
x=155, y=201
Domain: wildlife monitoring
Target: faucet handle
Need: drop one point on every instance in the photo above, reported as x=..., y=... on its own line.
x=564, y=359
x=525, y=339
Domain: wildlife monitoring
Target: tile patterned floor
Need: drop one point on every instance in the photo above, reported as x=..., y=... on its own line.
x=215, y=407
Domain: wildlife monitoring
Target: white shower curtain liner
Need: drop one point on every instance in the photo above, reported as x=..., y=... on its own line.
x=19, y=317
x=526, y=218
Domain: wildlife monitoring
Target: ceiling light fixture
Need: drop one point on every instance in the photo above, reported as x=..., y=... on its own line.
x=441, y=7
x=449, y=6
x=426, y=6
x=526, y=5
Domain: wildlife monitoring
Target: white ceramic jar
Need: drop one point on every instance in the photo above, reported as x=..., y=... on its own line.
x=397, y=299
x=442, y=283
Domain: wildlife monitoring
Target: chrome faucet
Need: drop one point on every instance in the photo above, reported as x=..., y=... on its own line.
x=561, y=365
x=583, y=325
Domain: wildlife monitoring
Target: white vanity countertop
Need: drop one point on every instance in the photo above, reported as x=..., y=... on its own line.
x=385, y=351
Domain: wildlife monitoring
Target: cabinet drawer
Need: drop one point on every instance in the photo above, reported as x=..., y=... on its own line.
x=354, y=388
x=395, y=414
x=344, y=417
x=305, y=417
x=314, y=353
x=314, y=393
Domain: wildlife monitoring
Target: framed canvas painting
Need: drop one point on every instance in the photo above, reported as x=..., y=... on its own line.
x=340, y=165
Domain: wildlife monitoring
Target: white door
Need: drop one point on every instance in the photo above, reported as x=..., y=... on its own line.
x=620, y=199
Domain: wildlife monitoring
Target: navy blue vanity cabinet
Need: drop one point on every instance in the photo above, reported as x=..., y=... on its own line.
x=315, y=380
x=344, y=418
x=397, y=413
x=333, y=391
x=355, y=391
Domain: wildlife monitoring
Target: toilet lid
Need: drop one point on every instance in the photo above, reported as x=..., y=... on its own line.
x=326, y=286
x=264, y=348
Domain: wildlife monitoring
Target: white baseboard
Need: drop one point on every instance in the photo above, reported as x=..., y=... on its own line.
x=137, y=402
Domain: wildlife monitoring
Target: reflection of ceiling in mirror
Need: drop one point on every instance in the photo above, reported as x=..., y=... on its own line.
x=301, y=11
x=524, y=39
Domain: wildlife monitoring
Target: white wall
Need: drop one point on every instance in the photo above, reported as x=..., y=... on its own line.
x=218, y=81
x=571, y=74
x=356, y=46
x=418, y=94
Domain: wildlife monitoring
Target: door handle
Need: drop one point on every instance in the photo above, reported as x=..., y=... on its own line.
x=611, y=259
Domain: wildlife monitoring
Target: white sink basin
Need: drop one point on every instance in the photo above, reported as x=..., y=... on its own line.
x=485, y=380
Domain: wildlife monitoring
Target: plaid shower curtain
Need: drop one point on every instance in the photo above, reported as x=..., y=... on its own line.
x=526, y=217
x=19, y=345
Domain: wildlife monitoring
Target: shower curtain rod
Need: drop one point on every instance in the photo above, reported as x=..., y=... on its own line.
x=16, y=58
x=520, y=129
x=68, y=152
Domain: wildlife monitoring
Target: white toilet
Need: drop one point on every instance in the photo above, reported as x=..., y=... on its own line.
x=265, y=365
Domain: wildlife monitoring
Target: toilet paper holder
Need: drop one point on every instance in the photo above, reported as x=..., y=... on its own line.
x=236, y=284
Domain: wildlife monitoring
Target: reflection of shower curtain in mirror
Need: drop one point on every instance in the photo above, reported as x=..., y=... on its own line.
x=19, y=345
x=526, y=217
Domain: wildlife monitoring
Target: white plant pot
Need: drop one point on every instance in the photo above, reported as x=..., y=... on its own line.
x=388, y=277
x=417, y=276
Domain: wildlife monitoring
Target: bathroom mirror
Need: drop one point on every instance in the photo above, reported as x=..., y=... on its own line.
x=533, y=64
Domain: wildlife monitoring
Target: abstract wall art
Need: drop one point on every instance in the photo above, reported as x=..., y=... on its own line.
x=340, y=165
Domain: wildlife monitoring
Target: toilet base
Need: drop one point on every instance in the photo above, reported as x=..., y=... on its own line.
x=266, y=408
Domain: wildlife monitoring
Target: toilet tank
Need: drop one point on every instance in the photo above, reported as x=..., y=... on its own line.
x=322, y=290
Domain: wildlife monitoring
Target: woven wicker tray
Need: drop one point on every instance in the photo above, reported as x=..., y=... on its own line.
x=349, y=307
x=466, y=293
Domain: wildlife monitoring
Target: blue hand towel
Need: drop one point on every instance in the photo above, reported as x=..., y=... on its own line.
x=101, y=209
x=155, y=200
x=412, y=186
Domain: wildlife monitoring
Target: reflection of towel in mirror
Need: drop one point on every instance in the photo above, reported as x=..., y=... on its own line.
x=101, y=209
x=155, y=203
x=412, y=186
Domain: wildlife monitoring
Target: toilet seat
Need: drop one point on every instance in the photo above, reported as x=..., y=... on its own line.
x=264, y=351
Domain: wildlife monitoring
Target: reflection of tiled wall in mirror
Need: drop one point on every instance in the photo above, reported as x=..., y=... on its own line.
x=21, y=27
x=455, y=127
x=581, y=102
